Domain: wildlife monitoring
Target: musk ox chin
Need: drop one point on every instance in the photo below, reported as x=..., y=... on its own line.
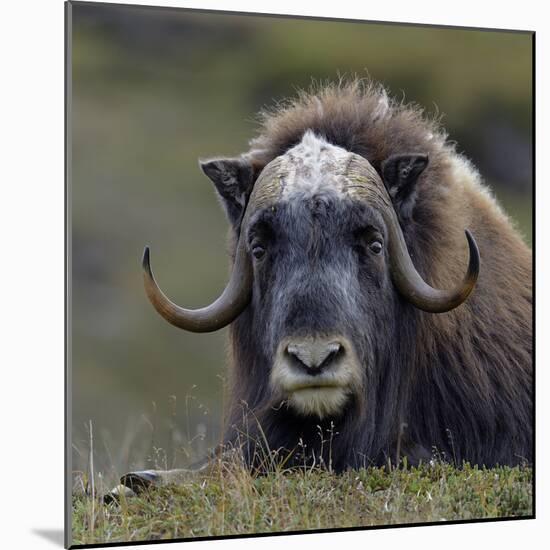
x=377, y=291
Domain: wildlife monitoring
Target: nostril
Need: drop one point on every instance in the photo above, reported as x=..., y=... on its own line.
x=314, y=356
x=333, y=351
x=297, y=356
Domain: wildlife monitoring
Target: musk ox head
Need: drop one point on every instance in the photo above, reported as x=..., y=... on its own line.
x=322, y=262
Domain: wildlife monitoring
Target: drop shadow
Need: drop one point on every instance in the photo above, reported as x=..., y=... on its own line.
x=52, y=535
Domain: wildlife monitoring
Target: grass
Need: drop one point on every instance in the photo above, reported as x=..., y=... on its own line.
x=229, y=501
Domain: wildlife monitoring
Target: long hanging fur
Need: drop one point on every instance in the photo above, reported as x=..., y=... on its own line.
x=462, y=381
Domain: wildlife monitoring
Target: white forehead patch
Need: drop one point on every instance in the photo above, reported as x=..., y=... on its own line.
x=313, y=166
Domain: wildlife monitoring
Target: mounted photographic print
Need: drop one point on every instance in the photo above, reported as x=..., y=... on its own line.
x=299, y=274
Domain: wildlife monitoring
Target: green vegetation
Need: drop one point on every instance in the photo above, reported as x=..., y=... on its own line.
x=229, y=501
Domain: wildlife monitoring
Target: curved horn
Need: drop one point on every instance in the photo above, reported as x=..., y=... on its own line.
x=411, y=285
x=367, y=184
x=220, y=313
x=238, y=292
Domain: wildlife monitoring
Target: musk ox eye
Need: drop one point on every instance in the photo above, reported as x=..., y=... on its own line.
x=376, y=247
x=258, y=251
x=368, y=240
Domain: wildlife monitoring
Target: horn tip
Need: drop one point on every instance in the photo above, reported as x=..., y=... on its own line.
x=145, y=260
x=472, y=242
x=475, y=259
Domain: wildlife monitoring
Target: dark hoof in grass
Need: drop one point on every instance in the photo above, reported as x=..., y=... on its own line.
x=139, y=481
x=131, y=484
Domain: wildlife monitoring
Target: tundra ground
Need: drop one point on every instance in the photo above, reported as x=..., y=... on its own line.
x=230, y=501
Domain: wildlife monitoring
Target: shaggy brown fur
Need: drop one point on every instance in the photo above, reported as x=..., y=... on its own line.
x=470, y=390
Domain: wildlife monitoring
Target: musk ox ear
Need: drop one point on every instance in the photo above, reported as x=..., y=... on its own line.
x=234, y=179
x=400, y=174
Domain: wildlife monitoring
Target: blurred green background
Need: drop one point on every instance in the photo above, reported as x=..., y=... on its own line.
x=154, y=90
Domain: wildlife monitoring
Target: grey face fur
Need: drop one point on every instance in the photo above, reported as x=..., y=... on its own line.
x=319, y=272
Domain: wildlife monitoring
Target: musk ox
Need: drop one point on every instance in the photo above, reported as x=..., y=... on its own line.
x=379, y=296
